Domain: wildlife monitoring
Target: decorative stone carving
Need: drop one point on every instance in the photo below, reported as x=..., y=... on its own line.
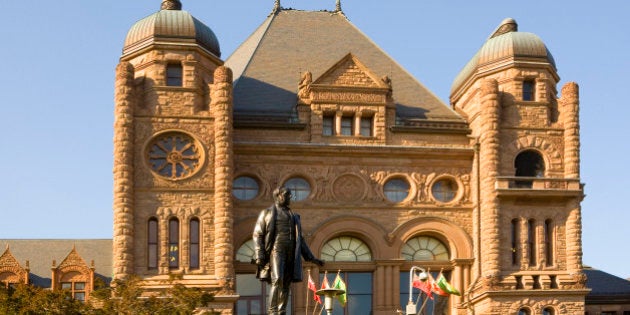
x=304, y=87
x=348, y=188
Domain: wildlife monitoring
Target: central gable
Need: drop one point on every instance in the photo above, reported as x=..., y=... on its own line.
x=349, y=71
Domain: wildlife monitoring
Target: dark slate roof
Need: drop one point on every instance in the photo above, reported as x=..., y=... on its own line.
x=602, y=283
x=41, y=253
x=267, y=66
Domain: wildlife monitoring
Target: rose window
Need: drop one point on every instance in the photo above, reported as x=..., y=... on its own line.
x=174, y=155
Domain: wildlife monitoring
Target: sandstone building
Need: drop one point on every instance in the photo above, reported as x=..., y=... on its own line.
x=385, y=175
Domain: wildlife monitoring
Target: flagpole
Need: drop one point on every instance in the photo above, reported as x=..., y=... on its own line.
x=306, y=295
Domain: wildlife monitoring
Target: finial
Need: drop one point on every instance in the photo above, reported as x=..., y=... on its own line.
x=338, y=6
x=276, y=7
x=508, y=25
x=171, y=5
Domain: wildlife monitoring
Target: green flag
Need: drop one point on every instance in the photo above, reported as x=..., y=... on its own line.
x=339, y=284
x=445, y=286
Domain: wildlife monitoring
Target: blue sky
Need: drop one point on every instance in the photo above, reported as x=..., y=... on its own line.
x=56, y=95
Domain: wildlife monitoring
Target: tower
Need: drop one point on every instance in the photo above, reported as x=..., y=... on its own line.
x=527, y=219
x=173, y=155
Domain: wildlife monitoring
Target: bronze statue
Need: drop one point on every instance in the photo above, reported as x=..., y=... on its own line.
x=279, y=248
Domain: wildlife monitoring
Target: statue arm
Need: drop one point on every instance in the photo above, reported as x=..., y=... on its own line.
x=260, y=230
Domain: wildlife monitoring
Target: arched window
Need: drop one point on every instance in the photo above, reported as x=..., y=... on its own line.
x=194, y=251
x=396, y=190
x=152, y=244
x=524, y=311
x=245, y=253
x=173, y=243
x=424, y=248
x=531, y=241
x=528, y=163
x=549, y=242
x=300, y=188
x=548, y=311
x=514, y=237
x=346, y=248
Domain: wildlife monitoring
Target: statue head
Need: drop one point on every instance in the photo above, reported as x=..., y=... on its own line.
x=282, y=196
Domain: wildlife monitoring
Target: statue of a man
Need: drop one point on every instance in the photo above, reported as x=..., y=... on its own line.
x=279, y=248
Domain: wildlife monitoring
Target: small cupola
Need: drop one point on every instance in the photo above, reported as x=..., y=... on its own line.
x=170, y=26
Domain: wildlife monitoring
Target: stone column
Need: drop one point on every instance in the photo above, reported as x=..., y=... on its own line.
x=125, y=101
x=489, y=164
x=570, y=102
x=221, y=109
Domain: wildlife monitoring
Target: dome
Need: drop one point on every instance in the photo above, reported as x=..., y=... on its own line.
x=171, y=25
x=506, y=42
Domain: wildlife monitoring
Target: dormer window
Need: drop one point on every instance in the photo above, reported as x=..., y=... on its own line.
x=174, y=74
x=528, y=90
x=328, y=125
x=367, y=127
x=346, y=125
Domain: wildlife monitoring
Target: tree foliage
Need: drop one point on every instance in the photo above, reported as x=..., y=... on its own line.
x=124, y=297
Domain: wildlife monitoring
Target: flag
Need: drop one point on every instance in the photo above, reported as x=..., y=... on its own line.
x=339, y=284
x=435, y=288
x=445, y=286
x=424, y=286
x=311, y=286
x=325, y=284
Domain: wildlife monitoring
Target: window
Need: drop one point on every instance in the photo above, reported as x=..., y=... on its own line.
x=444, y=190
x=548, y=242
x=359, y=293
x=396, y=190
x=524, y=311
x=528, y=164
x=76, y=289
x=366, y=127
x=514, y=236
x=245, y=188
x=424, y=248
x=300, y=188
x=194, y=244
x=328, y=125
x=346, y=248
x=346, y=125
x=174, y=155
x=174, y=74
x=152, y=247
x=529, y=90
x=173, y=243
x=531, y=241
x=548, y=311
x=245, y=253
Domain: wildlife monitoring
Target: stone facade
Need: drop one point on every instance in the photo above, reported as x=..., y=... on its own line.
x=513, y=240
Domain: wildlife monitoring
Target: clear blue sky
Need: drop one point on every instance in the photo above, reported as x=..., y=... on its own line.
x=57, y=77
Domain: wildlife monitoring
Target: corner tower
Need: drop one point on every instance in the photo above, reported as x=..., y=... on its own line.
x=173, y=154
x=528, y=214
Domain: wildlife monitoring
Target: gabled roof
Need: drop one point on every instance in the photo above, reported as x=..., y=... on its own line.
x=268, y=65
x=41, y=252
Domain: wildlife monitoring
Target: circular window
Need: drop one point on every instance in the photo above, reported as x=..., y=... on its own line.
x=396, y=190
x=424, y=248
x=346, y=248
x=174, y=155
x=245, y=188
x=444, y=190
x=300, y=188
